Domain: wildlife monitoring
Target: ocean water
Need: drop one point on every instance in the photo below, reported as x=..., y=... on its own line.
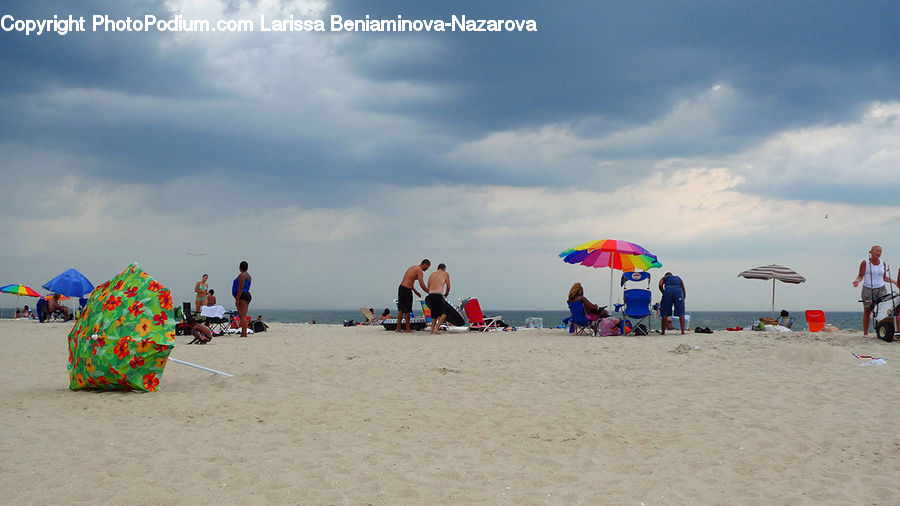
x=715, y=320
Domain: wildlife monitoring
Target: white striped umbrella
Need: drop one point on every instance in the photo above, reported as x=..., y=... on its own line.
x=773, y=272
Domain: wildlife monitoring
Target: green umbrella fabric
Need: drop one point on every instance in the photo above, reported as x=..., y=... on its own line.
x=124, y=336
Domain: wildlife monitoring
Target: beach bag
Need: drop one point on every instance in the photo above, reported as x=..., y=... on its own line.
x=259, y=326
x=759, y=326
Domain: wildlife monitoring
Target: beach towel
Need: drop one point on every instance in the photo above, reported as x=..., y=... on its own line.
x=212, y=311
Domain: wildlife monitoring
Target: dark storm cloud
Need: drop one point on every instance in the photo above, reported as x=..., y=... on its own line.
x=599, y=68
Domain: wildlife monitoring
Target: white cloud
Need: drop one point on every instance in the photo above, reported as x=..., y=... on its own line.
x=864, y=152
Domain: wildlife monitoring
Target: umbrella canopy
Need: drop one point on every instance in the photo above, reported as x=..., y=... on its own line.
x=620, y=255
x=71, y=283
x=19, y=290
x=124, y=336
x=50, y=296
x=773, y=272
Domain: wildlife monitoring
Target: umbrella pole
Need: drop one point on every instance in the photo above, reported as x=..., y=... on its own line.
x=610, y=288
x=182, y=362
x=773, y=297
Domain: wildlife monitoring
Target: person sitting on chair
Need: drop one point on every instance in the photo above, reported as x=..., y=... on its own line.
x=53, y=306
x=385, y=315
x=211, y=298
x=591, y=311
x=785, y=319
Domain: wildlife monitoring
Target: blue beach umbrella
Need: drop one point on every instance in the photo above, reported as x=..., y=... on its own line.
x=70, y=283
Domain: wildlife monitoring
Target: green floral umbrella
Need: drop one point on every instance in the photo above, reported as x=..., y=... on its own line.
x=124, y=336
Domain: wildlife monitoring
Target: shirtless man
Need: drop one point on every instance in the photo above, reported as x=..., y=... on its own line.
x=435, y=298
x=54, y=305
x=406, y=289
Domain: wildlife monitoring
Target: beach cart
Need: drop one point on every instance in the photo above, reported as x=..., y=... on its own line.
x=886, y=315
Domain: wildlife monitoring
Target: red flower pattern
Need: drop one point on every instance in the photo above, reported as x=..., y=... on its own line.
x=112, y=302
x=136, y=361
x=151, y=382
x=165, y=299
x=121, y=349
x=136, y=308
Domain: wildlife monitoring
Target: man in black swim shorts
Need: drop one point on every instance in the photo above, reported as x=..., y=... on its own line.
x=438, y=288
x=407, y=287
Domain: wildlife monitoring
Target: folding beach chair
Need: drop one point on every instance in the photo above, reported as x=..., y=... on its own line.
x=182, y=327
x=216, y=318
x=477, y=320
x=42, y=309
x=369, y=315
x=579, y=324
x=426, y=311
x=636, y=302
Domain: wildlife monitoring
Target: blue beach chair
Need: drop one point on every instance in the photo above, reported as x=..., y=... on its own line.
x=637, y=297
x=579, y=324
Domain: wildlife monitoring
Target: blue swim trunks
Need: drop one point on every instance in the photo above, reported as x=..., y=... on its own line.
x=673, y=297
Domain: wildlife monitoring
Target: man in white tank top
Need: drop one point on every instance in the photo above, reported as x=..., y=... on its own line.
x=874, y=275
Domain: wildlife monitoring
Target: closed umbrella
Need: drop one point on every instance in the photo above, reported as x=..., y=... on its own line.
x=773, y=272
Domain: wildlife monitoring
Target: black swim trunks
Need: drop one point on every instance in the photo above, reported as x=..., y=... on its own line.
x=246, y=296
x=435, y=302
x=404, y=299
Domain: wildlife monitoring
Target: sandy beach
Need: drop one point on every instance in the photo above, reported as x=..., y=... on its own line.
x=322, y=414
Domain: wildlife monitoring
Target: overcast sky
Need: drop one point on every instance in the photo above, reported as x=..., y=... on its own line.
x=718, y=135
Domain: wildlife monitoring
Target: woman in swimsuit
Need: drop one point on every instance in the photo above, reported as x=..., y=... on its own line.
x=240, y=289
x=202, y=292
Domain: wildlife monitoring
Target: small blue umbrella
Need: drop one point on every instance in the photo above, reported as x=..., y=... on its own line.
x=70, y=283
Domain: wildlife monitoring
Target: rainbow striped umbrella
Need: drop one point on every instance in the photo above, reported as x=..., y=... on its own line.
x=619, y=255
x=19, y=290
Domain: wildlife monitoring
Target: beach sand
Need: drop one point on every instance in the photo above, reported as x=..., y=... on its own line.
x=327, y=414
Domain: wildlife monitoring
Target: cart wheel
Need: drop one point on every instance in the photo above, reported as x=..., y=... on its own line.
x=885, y=330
